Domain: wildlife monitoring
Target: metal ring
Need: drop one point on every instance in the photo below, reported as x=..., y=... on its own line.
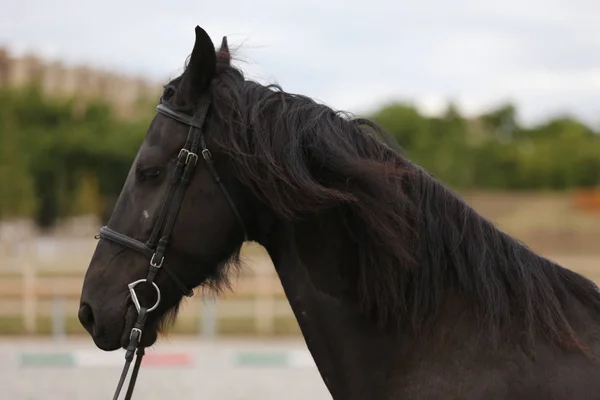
x=134, y=297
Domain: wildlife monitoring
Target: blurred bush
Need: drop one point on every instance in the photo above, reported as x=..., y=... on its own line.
x=494, y=152
x=60, y=158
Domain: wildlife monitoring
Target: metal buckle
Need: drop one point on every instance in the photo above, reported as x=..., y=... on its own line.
x=188, y=156
x=206, y=154
x=136, y=329
x=183, y=152
x=153, y=262
x=134, y=297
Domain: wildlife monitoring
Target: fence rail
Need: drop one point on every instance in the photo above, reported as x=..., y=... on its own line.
x=41, y=280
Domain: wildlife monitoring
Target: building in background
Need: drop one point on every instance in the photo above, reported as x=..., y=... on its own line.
x=85, y=83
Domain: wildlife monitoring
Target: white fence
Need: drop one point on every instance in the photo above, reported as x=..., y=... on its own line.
x=41, y=278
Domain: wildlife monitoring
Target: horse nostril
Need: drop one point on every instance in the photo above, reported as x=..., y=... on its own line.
x=86, y=317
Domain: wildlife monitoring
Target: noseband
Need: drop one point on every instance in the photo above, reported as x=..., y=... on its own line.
x=156, y=245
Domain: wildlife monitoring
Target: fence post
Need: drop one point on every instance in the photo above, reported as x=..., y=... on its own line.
x=208, y=318
x=58, y=317
x=264, y=303
x=29, y=305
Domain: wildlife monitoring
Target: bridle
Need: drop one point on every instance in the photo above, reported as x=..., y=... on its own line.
x=156, y=245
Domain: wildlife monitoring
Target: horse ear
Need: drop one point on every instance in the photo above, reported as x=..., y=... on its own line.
x=224, y=57
x=224, y=45
x=203, y=62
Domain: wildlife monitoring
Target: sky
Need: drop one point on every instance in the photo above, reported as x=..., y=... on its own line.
x=541, y=55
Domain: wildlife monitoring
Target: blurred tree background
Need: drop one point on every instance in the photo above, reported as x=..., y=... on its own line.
x=60, y=159
x=493, y=152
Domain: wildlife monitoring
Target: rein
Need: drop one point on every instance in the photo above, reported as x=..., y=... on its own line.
x=156, y=245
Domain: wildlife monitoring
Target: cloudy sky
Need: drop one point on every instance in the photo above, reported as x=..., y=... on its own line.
x=543, y=55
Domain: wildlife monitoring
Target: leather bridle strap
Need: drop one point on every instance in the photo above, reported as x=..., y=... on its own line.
x=124, y=240
x=156, y=245
x=140, y=247
x=134, y=338
x=207, y=155
x=186, y=162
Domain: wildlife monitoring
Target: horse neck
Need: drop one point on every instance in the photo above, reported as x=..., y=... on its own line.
x=310, y=259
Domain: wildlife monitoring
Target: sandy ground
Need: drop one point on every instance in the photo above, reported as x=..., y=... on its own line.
x=214, y=374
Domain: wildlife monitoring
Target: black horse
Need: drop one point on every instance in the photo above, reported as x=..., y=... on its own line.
x=401, y=290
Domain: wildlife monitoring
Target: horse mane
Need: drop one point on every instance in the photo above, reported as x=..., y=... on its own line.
x=416, y=240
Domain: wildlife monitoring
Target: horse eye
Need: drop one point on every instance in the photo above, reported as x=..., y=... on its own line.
x=148, y=173
x=152, y=172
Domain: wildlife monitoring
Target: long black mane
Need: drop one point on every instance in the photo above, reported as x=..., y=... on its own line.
x=417, y=241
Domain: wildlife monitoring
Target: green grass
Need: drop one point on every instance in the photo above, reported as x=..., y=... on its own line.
x=283, y=326
x=44, y=274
